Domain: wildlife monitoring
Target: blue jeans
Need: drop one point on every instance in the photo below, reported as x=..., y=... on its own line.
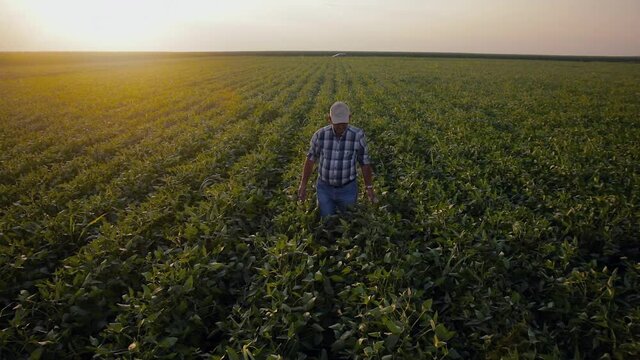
x=332, y=199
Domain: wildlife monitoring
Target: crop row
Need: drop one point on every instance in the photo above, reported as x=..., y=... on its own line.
x=69, y=210
x=138, y=222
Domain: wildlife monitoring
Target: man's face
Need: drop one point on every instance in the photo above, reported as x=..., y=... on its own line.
x=339, y=128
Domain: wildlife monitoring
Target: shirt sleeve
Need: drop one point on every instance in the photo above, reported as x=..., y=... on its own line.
x=363, y=152
x=314, y=149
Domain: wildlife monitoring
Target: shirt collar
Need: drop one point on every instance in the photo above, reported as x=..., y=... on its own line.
x=335, y=135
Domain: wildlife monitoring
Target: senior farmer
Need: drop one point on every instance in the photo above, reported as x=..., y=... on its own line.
x=336, y=148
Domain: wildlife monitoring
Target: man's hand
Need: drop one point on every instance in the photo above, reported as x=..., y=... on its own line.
x=306, y=172
x=367, y=174
x=372, y=196
x=302, y=193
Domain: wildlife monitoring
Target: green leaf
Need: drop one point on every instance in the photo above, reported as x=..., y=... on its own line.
x=116, y=327
x=233, y=355
x=309, y=304
x=377, y=346
x=368, y=351
x=36, y=354
x=347, y=334
x=444, y=334
x=426, y=306
x=391, y=341
x=292, y=330
x=216, y=266
x=337, y=345
x=454, y=354
x=395, y=329
x=188, y=284
x=93, y=341
x=168, y=342
x=326, y=284
x=323, y=355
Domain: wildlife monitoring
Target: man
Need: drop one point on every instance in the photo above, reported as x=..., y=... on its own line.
x=336, y=148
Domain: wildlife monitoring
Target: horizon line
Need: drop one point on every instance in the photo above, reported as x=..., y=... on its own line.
x=400, y=52
x=471, y=55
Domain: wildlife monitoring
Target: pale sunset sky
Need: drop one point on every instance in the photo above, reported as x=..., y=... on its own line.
x=553, y=27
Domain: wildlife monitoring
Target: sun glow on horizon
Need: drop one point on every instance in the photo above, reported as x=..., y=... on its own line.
x=563, y=27
x=118, y=24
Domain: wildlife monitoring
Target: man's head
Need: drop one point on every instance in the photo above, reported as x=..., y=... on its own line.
x=339, y=116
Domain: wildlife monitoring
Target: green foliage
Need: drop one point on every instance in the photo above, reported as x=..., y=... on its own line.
x=147, y=210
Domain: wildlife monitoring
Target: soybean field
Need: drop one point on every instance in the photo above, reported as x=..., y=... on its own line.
x=148, y=209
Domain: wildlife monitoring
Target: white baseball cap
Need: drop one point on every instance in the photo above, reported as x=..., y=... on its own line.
x=339, y=113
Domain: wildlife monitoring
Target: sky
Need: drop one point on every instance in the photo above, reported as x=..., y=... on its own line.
x=548, y=27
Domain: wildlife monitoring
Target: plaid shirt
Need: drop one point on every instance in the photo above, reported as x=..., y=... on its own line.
x=336, y=157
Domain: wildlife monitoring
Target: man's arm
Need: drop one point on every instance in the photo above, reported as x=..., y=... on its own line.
x=306, y=172
x=367, y=174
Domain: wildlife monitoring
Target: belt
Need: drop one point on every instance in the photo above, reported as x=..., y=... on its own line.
x=339, y=186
